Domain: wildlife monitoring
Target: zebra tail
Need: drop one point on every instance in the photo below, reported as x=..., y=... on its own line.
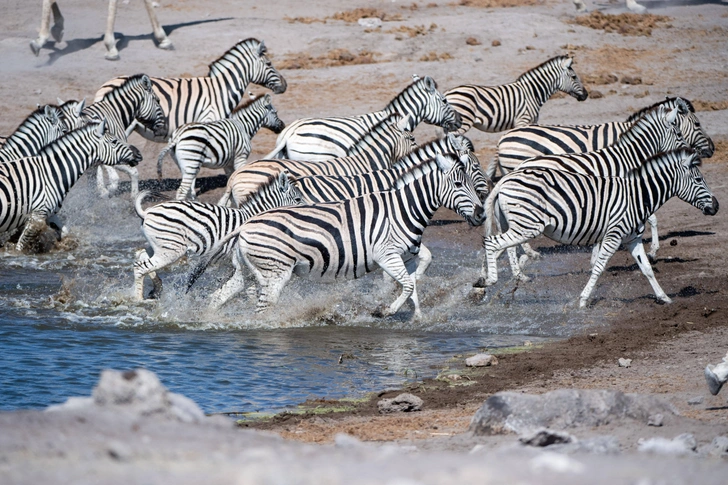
x=489, y=212
x=492, y=166
x=280, y=150
x=160, y=159
x=216, y=252
x=144, y=194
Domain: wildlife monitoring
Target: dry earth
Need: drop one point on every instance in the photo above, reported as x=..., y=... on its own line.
x=336, y=67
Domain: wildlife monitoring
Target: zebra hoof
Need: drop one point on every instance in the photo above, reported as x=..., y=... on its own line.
x=714, y=384
x=666, y=300
x=35, y=47
x=652, y=258
x=481, y=283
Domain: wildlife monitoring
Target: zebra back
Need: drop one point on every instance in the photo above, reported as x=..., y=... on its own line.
x=200, y=99
x=41, y=127
x=499, y=108
x=134, y=100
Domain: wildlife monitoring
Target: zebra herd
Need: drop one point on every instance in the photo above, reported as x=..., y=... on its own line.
x=339, y=197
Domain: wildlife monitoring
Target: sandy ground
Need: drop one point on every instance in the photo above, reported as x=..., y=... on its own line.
x=336, y=67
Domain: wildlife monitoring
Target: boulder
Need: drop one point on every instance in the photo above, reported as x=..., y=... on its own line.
x=481, y=360
x=405, y=402
x=520, y=413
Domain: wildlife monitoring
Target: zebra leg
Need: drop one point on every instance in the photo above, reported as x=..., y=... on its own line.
x=517, y=264
x=595, y=254
x=148, y=266
x=638, y=253
x=133, y=174
x=492, y=166
x=530, y=252
x=35, y=225
x=494, y=246
x=608, y=247
x=112, y=54
x=189, y=169
x=655, y=242
x=270, y=288
x=44, y=33
x=395, y=267
x=232, y=287
x=163, y=41
x=424, y=260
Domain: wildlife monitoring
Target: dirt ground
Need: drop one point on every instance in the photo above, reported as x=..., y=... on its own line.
x=336, y=67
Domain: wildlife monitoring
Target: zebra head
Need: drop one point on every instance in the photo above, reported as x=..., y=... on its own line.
x=404, y=138
x=466, y=154
x=150, y=113
x=457, y=193
x=568, y=81
x=672, y=137
x=110, y=150
x=71, y=113
x=437, y=111
x=693, y=133
x=271, y=120
x=691, y=184
x=51, y=122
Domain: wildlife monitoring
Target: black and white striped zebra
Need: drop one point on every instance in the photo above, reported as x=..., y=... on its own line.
x=32, y=189
x=176, y=228
x=345, y=240
x=316, y=139
x=386, y=143
x=214, y=97
x=520, y=144
x=132, y=102
x=223, y=144
x=611, y=210
x=500, y=108
x=41, y=127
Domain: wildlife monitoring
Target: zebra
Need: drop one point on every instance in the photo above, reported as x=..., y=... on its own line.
x=534, y=201
x=500, y=108
x=347, y=239
x=41, y=127
x=317, y=139
x=218, y=144
x=133, y=101
x=71, y=113
x=379, y=149
x=176, y=228
x=200, y=99
x=33, y=188
x=520, y=144
x=329, y=188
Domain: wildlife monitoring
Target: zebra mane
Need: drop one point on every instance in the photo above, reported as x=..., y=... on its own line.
x=129, y=83
x=667, y=101
x=366, y=140
x=248, y=104
x=416, y=82
x=229, y=54
x=69, y=139
x=665, y=158
x=416, y=172
x=541, y=66
x=39, y=113
x=647, y=118
x=258, y=190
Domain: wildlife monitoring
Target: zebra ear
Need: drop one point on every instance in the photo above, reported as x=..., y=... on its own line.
x=146, y=82
x=50, y=113
x=455, y=141
x=444, y=163
x=80, y=106
x=682, y=106
x=430, y=84
x=101, y=128
x=566, y=63
x=672, y=115
x=59, y=101
x=261, y=48
x=283, y=180
x=415, y=78
x=404, y=123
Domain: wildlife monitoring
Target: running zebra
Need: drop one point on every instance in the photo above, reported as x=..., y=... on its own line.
x=386, y=143
x=41, y=127
x=218, y=144
x=500, y=108
x=32, y=189
x=211, y=98
x=316, y=139
x=132, y=102
x=655, y=132
x=534, y=201
x=345, y=240
x=176, y=228
x=520, y=144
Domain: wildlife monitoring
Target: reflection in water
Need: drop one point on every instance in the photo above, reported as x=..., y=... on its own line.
x=65, y=316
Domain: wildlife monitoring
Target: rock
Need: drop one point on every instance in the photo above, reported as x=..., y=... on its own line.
x=370, y=22
x=683, y=444
x=472, y=41
x=546, y=437
x=506, y=412
x=454, y=377
x=655, y=420
x=597, y=445
x=625, y=362
x=633, y=80
x=719, y=446
x=694, y=401
x=405, y=402
x=481, y=360
x=119, y=451
x=594, y=94
x=495, y=43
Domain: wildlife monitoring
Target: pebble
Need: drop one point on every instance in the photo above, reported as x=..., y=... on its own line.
x=405, y=402
x=481, y=360
x=546, y=437
x=370, y=22
x=680, y=445
x=495, y=43
x=719, y=446
x=655, y=420
x=694, y=401
x=625, y=362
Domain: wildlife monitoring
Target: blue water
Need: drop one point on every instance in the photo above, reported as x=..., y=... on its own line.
x=67, y=315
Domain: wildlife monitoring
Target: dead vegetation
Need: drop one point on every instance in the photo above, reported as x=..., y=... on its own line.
x=701, y=105
x=499, y=3
x=412, y=31
x=333, y=58
x=303, y=20
x=352, y=16
x=624, y=23
x=434, y=57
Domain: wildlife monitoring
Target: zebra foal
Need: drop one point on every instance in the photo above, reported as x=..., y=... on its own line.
x=345, y=240
x=41, y=127
x=500, y=108
x=176, y=228
x=214, y=97
x=222, y=144
x=612, y=210
x=32, y=189
x=317, y=139
x=520, y=144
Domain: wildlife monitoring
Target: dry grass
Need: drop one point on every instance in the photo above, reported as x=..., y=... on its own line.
x=412, y=31
x=353, y=16
x=701, y=105
x=303, y=20
x=434, y=56
x=624, y=23
x=499, y=3
x=333, y=58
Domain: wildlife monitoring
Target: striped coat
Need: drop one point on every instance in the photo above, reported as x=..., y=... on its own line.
x=41, y=127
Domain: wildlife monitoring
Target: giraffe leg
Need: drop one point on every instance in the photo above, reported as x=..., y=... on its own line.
x=635, y=7
x=44, y=33
x=163, y=41
x=112, y=54
x=57, y=29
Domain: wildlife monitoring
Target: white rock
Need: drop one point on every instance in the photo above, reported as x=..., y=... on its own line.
x=481, y=360
x=625, y=362
x=681, y=445
x=655, y=420
x=370, y=22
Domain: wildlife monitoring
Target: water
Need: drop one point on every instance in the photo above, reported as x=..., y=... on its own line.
x=66, y=315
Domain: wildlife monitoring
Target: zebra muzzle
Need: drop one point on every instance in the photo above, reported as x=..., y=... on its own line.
x=136, y=156
x=712, y=208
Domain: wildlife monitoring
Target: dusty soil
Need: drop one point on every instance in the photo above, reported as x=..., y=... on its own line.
x=336, y=67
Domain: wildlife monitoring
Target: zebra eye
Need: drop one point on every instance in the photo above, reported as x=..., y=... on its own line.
x=697, y=124
x=458, y=184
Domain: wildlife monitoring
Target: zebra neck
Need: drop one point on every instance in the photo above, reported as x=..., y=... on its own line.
x=406, y=104
x=234, y=83
x=642, y=139
x=250, y=125
x=65, y=160
x=419, y=200
x=540, y=84
x=116, y=114
x=653, y=186
x=424, y=153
